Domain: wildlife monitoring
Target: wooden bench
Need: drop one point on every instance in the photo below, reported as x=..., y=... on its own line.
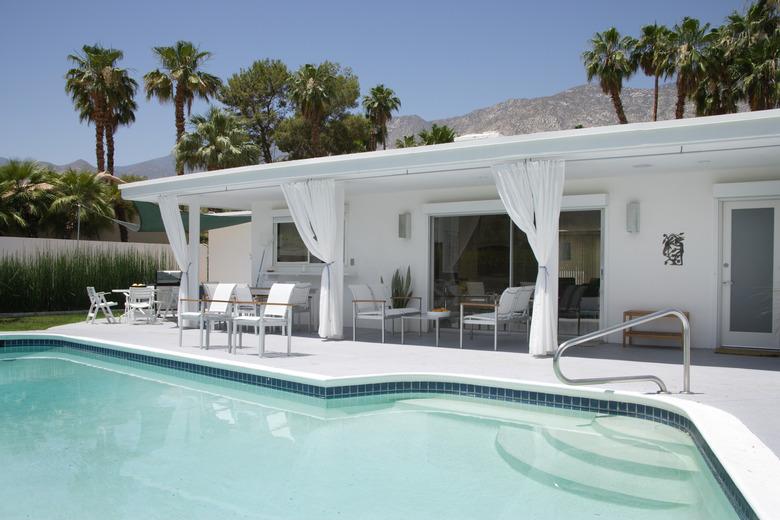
x=631, y=333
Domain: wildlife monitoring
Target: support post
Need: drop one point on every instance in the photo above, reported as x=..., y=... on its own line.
x=193, y=237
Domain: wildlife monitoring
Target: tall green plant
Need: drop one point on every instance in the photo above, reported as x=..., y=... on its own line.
x=401, y=287
x=57, y=281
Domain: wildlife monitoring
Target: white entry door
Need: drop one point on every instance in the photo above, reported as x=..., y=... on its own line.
x=750, y=274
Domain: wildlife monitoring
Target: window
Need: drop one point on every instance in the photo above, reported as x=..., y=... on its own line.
x=289, y=247
x=476, y=257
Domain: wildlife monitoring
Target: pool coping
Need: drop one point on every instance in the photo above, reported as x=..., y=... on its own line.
x=749, y=465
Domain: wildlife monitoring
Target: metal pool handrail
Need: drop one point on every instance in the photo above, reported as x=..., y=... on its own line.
x=618, y=328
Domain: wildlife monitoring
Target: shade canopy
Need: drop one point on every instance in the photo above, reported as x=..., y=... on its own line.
x=151, y=220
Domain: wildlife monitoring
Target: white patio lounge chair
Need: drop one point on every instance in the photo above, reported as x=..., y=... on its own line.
x=277, y=311
x=140, y=303
x=98, y=303
x=219, y=308
x=512, y=306
x=374, y=303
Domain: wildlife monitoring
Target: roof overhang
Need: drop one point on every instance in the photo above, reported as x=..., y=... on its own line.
x=745, y=132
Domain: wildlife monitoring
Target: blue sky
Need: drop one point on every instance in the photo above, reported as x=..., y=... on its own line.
x=441, y=58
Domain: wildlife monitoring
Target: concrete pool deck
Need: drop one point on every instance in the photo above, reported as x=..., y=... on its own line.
x=747, y=387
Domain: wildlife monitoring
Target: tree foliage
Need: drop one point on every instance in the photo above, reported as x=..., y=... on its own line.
x=610, y=60
x=24, y=197
x=78, y=199
x=217, y=140
x=379, y=104
x=259, y=95
x=104, y=95
x=437, y=134
x=181, y=79
x=652, y=54
x=717, y=68
x=323, y=96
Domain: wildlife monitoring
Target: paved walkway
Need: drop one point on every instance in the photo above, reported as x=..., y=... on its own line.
x=747, y=387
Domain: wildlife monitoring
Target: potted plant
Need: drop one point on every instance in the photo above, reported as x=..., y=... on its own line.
x=401, y=288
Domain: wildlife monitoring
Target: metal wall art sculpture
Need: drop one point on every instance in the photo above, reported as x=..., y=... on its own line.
x=673, y=248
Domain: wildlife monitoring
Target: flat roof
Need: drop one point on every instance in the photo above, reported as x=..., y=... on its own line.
x=733, y=132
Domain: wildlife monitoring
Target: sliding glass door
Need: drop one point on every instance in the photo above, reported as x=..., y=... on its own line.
x=476, y=257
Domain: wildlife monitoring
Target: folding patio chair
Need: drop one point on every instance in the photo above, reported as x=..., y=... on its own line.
x=140, y=302
x=97, y=302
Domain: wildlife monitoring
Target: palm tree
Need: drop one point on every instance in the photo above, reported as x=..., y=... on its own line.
x=609, y=59
x=752, y=44
x=95, y=85
x=379, y=104
x=689, y=42
x=652, y=55
x=121, y=111
x=10, y=218
x=311, y=89
x=79, y=196
x=181, y=80
x=24, y=194
x=437, y=135
x=718, y=91
x=407, y=141
x=123, y=209
x=217, y=140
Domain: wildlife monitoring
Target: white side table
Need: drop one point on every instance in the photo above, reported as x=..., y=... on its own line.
x=429, y=316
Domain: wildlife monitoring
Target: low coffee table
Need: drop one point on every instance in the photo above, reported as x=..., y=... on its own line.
x=429, y=316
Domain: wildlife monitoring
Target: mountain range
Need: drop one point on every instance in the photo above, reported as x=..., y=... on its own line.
x=584, y=105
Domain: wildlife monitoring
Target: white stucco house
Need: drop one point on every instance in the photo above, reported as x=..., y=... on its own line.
x=682, y=213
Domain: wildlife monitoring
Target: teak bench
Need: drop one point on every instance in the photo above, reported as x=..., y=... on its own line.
x=631, y=333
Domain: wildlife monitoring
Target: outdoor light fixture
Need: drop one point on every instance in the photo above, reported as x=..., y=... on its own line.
x=632, y=216
x=405, y=225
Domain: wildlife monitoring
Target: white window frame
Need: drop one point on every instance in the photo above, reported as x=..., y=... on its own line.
x=288, y=220
x=284, y=217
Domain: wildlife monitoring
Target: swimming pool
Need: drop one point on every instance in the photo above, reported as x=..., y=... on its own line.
x=83, y=435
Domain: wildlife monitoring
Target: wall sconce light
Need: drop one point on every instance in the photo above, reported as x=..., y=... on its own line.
x=405, y=225
x=632, y=216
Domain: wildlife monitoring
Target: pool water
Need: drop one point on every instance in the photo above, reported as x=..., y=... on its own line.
x=86, y=438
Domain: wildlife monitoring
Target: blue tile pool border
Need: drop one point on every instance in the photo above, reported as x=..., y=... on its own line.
x=585, y=404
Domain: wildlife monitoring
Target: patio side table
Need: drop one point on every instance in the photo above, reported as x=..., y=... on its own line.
x=429, y=316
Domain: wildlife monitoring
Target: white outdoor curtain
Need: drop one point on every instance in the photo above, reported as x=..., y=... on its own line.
x=532, y=192
x=174, y=228
x=318, y=212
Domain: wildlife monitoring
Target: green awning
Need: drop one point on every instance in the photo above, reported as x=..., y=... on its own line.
x=151, y=221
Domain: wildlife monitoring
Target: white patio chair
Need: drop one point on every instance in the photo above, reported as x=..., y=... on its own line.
x=98, y=303
x=475, y=291
x=302, y=301
x=512, y=306
x=374, y=303
x=277, y=311
x=140, y=302
x=166, y=297
x=219, y=308
x=245, y=303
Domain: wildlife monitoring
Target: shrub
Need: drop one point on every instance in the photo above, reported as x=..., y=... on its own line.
x=57, y=281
